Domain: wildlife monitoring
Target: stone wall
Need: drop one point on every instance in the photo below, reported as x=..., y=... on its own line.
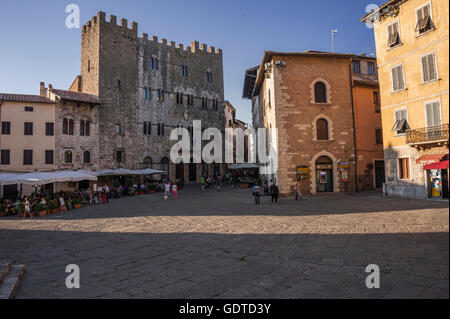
x=113, y=53
x=296, y=115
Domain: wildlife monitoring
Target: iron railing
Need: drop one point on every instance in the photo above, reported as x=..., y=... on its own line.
x=427, y=135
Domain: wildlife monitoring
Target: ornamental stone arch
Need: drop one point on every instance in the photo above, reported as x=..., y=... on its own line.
x=327, y=91
x=330, y=127
x=312, y=167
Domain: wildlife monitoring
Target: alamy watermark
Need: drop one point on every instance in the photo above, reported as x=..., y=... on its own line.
x=73, y=280
x=373, y=280
x=73, y=19
x=260, y=146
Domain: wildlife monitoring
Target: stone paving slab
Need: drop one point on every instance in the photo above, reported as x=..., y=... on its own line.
x=220, y=245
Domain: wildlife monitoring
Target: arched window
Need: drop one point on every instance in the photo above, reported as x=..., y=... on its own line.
x=68, y=157
x=145, y=128
x=71, y=125
x=65, y=126
x=86, y=157
x=322, y=130
x=148, y=162
x=165, y=165
x=320, y=92
x=82, y=128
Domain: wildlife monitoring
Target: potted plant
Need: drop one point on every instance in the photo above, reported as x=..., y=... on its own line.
x=21, y=210
x=76, y=202
x=244, y=184
x=2, y=210
x=41, y=210
x=151, y=188
x=53, y=206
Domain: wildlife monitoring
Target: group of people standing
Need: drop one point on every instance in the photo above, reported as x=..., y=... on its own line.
x=271, y=189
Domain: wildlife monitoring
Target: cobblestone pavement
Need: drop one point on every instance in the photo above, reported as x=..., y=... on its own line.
x=220, y=245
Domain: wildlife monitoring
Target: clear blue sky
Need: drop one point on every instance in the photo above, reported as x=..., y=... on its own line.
x=36, y=46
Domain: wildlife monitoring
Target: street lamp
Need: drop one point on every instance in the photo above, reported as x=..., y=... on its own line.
x=333, y=33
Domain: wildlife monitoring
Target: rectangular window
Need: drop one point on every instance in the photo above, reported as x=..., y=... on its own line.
x=429, y=72
x=29, y=109
x=398, y=82
x=119, y=156
x=356, y=67
x=5, y=157
x=433, y=113
x=6, y=128
x=378, y=136
x=49, y=129
x=403, y=168
x=49, y=155
x=28, y=128
x=118, y=130
x=401, y=122
x=393, y=35
x=28, y=157
x=376, y=101
x=371, y=68
x=424, y=21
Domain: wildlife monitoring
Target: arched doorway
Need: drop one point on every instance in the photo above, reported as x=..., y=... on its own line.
x=324, y=175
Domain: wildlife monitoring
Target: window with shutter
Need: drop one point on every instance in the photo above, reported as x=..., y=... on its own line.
x=429, y=68
x=401, y=122
x=28, y=128
x=378, y=136
x=49, y=157
x=433, y=111
x=424, y=21
x=398, y=82
x=393, y=35
x=403, y=168
x=322, y=130
x=28, y=157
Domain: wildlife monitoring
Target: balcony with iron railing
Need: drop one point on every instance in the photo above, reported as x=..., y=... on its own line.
x=428, y=135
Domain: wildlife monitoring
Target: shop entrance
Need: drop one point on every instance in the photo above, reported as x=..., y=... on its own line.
x=379, y=174
x=192, y=172
x=324, y=175
x=180, y=171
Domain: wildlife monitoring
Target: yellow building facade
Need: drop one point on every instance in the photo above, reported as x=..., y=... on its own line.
x=412, y=43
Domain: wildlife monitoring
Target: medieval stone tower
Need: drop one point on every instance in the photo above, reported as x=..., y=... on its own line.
x=148, y=87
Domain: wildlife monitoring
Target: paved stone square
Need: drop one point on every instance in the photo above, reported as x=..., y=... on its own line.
x=220, y=245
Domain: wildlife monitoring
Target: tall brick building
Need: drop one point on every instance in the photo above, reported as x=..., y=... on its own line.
x=147, y=88
x=307, y=97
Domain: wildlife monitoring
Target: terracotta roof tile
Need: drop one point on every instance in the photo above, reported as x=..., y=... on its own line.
x=76, y=96
x=24, y=98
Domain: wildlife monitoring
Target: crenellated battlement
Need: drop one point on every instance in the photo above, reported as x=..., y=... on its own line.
x=101, y=18
x=195, y=47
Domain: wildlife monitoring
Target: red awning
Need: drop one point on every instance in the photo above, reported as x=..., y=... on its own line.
x=429, y=159
x=439, y=165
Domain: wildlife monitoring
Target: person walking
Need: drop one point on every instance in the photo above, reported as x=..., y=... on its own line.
x=257, y=194
x=203, y=182
x=91, y=197
x=275, y=191
x=298, y=193
x=166, y=190
x=107, y=191
x=27, y=208
x=175, y=190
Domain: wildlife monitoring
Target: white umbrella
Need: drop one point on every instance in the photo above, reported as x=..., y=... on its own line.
x=244, y=166
x=73, y=176
x=150, y=171
x=9, y=179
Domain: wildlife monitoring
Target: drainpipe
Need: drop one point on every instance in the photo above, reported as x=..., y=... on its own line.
x=354, y=125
